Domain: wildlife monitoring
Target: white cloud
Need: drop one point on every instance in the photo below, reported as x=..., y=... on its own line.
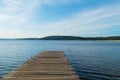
x=20, y=13
x=4, y=17
x=9, y=33
x=88, y=22
x=14, y=15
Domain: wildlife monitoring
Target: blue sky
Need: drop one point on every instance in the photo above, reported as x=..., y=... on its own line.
x=39, y=18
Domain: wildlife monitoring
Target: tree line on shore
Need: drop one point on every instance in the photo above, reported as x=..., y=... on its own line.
x=73, y=38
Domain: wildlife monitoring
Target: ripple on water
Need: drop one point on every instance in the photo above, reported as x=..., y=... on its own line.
x=93, y=60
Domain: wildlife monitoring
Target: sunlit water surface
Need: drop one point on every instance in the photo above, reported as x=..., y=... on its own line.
x=93, y=60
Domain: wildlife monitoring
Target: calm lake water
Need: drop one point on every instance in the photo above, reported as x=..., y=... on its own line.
x=93, y=60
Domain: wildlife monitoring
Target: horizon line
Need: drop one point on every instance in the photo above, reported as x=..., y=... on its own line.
x=62, y=35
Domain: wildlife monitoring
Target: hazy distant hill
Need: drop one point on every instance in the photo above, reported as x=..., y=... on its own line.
x=70, y=38
x=62, y=38
x=79, y=38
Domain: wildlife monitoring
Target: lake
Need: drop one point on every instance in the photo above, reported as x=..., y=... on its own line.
x=93, y=60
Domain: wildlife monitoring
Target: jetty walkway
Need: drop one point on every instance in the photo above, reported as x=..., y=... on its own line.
x=48, y=65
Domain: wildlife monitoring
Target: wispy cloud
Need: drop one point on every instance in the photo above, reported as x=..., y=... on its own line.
x=88, y=22
x=19, y=12
x=17, y=16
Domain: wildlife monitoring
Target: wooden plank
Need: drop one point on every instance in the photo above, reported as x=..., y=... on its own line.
x=49, y=65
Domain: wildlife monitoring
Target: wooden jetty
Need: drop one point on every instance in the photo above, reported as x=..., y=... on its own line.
x=49, y=65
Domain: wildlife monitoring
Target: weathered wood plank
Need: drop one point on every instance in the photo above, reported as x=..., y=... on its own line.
x=49, y=65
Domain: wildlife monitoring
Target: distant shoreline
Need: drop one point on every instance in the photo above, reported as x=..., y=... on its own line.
x=110, y=38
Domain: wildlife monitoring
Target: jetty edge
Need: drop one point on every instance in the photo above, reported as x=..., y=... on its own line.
x=48, y=65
